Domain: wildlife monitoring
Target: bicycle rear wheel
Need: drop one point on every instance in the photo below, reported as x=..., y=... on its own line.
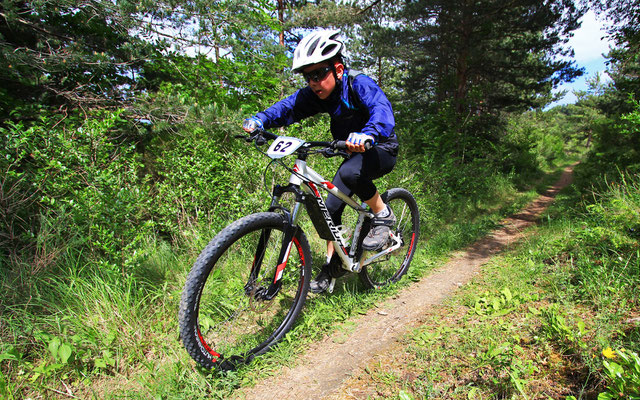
x=225, y=317
x=392, y=267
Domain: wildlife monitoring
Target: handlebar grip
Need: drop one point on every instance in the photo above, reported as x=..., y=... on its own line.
x=368, y=144
x=342, y=144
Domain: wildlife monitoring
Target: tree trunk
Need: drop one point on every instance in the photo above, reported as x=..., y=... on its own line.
x=462, y=62
x=281, y=19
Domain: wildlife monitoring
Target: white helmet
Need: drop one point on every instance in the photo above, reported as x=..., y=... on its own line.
x=315, y=48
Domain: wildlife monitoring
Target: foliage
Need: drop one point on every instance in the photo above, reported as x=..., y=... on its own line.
x=597, y=266
x=467, y=52
x=202, y=183
x=99, y=54
x=70, y=183
x=66, y=53
x=623, y=375
x=310, y=15
x=499, y=304
x=615, y=149
x=624, y=57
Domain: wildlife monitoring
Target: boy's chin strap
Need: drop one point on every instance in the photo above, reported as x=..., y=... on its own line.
x=335, y=73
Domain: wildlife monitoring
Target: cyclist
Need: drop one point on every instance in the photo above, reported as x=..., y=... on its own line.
x=360, y=112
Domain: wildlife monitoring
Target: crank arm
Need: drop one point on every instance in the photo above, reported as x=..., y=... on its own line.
x=397, y=244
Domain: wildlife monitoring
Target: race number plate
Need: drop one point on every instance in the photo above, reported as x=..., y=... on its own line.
x=284, y=146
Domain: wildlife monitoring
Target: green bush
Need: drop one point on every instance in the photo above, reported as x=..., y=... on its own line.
x=616, y=150
x=80, y=182
x=623, y=376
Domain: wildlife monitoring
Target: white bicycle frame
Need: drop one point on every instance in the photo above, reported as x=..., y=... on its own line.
x=304, y=177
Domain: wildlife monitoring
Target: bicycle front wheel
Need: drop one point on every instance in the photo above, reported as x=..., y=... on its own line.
x=230, y=311
x=391, y=267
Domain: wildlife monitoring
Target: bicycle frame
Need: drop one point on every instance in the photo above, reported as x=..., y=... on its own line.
x=304, y=181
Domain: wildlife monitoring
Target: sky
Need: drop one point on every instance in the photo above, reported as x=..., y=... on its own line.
x=589, y=43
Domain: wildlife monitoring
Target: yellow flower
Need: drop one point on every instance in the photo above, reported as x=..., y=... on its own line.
x=609, y=353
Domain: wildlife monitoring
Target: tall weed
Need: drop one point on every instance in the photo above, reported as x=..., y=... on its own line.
x=593, y=267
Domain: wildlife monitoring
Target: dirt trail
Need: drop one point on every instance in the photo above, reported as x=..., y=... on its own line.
x=323, y=368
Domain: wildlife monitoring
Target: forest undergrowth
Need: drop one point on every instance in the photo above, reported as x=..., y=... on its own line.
x=85, y=333
x=556, y=317
x=91, y=311
x=94, y=312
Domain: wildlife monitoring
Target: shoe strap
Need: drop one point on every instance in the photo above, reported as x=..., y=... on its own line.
x=387, y=221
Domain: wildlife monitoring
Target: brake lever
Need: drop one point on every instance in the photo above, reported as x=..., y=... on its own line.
x=328, y=153
x=260, y=140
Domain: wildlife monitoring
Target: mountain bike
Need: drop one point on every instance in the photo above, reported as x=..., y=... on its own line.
x=250, y=282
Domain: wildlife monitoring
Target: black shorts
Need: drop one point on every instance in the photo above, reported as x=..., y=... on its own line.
x=356, y=175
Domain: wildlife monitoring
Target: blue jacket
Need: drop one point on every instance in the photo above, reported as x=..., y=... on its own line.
x=364, y=109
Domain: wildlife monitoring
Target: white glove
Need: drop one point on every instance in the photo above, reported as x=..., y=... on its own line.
x=357, y=138
x=251, y=124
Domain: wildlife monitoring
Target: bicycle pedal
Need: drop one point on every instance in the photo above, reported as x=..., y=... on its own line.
x=331, y=285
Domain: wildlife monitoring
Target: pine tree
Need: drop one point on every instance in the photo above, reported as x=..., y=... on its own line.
x=488, y=55
x=66, y=53
x=624, y=58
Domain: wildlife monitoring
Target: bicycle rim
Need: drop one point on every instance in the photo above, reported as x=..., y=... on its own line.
x=392, y=267
x=233, y=322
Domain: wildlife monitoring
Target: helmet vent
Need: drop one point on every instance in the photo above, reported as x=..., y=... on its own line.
x=328, y=49
x=312, y=47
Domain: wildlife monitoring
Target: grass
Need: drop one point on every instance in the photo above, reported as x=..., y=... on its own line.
x=88, y=330
x=556, y=317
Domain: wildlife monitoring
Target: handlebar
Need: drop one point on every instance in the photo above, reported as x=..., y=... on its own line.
x=260, y=137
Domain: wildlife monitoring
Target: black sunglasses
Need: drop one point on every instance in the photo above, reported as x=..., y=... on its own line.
x=316, y=75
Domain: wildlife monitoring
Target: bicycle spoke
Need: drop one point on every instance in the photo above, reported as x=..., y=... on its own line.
x=234, y=319
x=390, y=267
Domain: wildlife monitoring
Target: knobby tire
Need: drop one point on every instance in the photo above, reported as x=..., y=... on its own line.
x=224, y=319
x=391, y=268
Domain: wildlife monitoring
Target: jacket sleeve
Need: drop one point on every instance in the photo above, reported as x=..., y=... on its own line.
x=381, y=122
x=302, y=104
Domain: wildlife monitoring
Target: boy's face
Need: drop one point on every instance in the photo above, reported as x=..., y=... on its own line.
x=322, y=80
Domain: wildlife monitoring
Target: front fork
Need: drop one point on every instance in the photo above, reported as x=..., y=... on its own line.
x=290, y=231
